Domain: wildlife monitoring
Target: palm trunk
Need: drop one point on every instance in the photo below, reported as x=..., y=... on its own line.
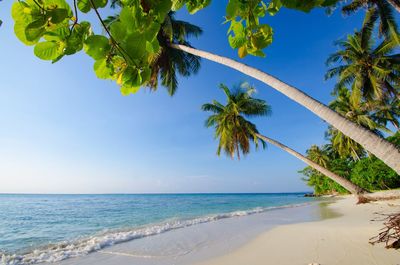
x=345, y=183
x=378, y=146
x=395, y=5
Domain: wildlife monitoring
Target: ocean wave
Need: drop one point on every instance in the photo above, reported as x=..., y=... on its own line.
x=64, y=250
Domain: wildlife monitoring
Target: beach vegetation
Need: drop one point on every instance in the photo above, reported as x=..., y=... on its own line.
x=235, y=133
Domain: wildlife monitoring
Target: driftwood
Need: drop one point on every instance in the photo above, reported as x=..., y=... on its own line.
x=390, y=234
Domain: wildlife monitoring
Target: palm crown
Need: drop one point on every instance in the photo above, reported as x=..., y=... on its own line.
x=357, y=111
x=169, y=62
x=382, y=10
x=372, y=72
x=231, y=127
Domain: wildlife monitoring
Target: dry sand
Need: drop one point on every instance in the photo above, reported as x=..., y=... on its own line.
x=341, y=240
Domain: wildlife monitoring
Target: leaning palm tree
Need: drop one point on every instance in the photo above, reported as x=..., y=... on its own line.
x=381, y=148
x=378, y=146
x=372, y=72
x=235, y=132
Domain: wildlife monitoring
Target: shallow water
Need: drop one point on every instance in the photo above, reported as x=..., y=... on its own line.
x=37, y=228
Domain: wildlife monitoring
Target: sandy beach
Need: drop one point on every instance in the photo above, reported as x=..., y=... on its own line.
x=341, y=240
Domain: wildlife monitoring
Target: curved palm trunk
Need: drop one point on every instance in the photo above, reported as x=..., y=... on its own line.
x=395, y=5
x=378, y=146
x=345, y=183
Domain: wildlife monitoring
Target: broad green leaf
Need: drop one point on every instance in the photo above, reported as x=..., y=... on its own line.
x=242, y=52
x=127, y=19
x=274, y=7
x=232, y=9
x=131, y=77
x=195, y=5
x=118, y=31
x=101, y=69
x=126, y=90
x=97, y=46
x=135, y=45
x=84, y=5
x=177, y=4
x=152, y=47
x=55, y=4
x=162, y=9
x=48, y=50
x=145, y=74
x=152, y=31
x=76, y=38
x=21, y=12
x=302, y=5
x=19, y=30
x=34, y=34
x=237, y=41
x=57, y=15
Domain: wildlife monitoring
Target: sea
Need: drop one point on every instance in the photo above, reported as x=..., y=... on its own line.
x=52, y=228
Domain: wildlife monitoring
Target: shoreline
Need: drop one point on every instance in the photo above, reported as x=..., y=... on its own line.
x=340, y=240
x=199, y=242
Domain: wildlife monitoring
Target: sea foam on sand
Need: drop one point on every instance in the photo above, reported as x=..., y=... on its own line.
x=58, y=252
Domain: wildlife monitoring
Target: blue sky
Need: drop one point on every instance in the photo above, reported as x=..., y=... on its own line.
x=62, y=130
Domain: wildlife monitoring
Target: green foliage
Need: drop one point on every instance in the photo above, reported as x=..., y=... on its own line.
x=372, y=174
x=247, y=33
x=48, y=50
x=133, y=49
x=234, y=132
x=86, y=5
x=97, y=46
x=369, y=173
x=372, y=71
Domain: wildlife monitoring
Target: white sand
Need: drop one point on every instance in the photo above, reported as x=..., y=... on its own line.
x=342, y=240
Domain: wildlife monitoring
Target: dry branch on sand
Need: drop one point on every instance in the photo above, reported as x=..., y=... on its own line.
x=390, y=234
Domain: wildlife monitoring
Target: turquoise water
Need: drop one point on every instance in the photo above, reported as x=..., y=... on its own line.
x=31, y=225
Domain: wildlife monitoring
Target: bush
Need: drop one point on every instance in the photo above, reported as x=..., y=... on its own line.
x=372, y=174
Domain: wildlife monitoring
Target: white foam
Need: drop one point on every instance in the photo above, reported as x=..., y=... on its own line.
x=64, y=250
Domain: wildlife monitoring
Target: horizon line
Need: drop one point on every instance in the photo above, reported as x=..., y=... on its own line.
x=157, y=193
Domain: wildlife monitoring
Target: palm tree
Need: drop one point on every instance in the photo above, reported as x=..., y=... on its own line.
x=381, y=10
x=387, y=111
x=384, y=150
x=168, y=62
x=372, y=72
x=356, y=110
x=318, y=155
x=235, y=132
x=378, y=146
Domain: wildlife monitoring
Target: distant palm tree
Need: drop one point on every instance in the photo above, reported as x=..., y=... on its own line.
x=381, y=9
x=372, y=72
x=387, y=111
x=318, y=155
x=356, y=110
x=235, y=132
